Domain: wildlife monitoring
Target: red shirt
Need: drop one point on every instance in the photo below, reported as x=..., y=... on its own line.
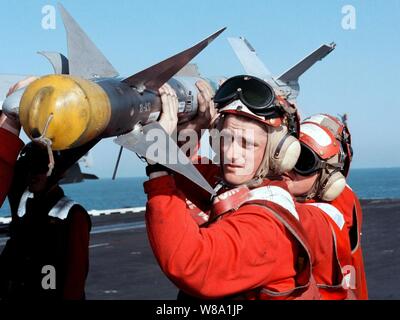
x=348, y=203
x=327, y=269
x=320, y=238
x=243, y=250
x=345, y=203
x=10, y=146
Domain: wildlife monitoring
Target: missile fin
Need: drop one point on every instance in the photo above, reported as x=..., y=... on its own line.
x=155, y=76
x=190, y=70
x=57, y=60
x=85, y=59
x=152, y=139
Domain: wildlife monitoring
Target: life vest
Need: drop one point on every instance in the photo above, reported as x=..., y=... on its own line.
x=198, y=215
x=279, y=203
x=349, y=204
x=344, y=282
x=39, y=234
x=60, y=209
x=361, y=290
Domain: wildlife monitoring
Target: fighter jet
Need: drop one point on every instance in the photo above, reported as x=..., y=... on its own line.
x=286, y=84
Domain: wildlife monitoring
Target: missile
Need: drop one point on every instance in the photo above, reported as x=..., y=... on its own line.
x=83, y=109
x=86, y=100
x=87, y=103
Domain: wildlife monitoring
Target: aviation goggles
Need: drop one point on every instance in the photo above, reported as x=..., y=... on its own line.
x=253, y=92
x=309, y=162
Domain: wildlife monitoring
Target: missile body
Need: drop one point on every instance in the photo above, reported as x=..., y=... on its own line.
x=82, y=110
x=86, y=101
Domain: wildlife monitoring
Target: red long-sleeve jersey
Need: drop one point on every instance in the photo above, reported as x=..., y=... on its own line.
x=10, y=146
x=348, y=203
x=326, y=267
x=244, y=250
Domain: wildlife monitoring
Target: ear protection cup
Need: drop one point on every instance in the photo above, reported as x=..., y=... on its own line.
x=284, y=151
x=333, y=186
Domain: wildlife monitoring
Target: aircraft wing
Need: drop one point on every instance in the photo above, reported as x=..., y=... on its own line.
x=293, y=74
x=75, y=175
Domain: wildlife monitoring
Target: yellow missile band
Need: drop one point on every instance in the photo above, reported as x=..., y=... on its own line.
x=81, y=110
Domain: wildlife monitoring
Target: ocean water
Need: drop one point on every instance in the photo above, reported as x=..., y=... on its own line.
x=128, y=192
x=102, y=194
x=375, y=183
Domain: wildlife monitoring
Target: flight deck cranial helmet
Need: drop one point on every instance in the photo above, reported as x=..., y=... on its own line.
x=341, y=132
x=252, y=97
x=326, y=150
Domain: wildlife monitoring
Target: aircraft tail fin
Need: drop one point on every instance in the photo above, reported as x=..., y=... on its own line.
x=293, y=74
x=190, y=70
x=249, y=59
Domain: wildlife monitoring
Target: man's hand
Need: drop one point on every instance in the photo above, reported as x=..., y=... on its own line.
x=11, y=122
x=21, y=84
x=206, y=112
x=169, y=104
x=168, y=119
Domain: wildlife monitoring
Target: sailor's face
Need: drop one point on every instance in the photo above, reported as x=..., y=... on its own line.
x=242, y=149
x=37, y=182
x=299, y=185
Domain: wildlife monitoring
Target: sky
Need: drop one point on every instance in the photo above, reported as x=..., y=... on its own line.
x=360, y=77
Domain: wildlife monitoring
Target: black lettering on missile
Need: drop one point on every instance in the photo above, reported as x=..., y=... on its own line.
x=189, y=104
x=144, y=107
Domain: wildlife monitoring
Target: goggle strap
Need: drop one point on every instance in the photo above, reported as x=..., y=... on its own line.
x=326, y=165
x=228, y=98
x=325, y=182
x=321, y=164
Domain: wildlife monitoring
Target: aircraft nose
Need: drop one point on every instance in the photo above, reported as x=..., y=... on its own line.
x=74, y=110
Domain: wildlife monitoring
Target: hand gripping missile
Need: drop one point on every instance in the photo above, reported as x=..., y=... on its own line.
x=92, y=102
